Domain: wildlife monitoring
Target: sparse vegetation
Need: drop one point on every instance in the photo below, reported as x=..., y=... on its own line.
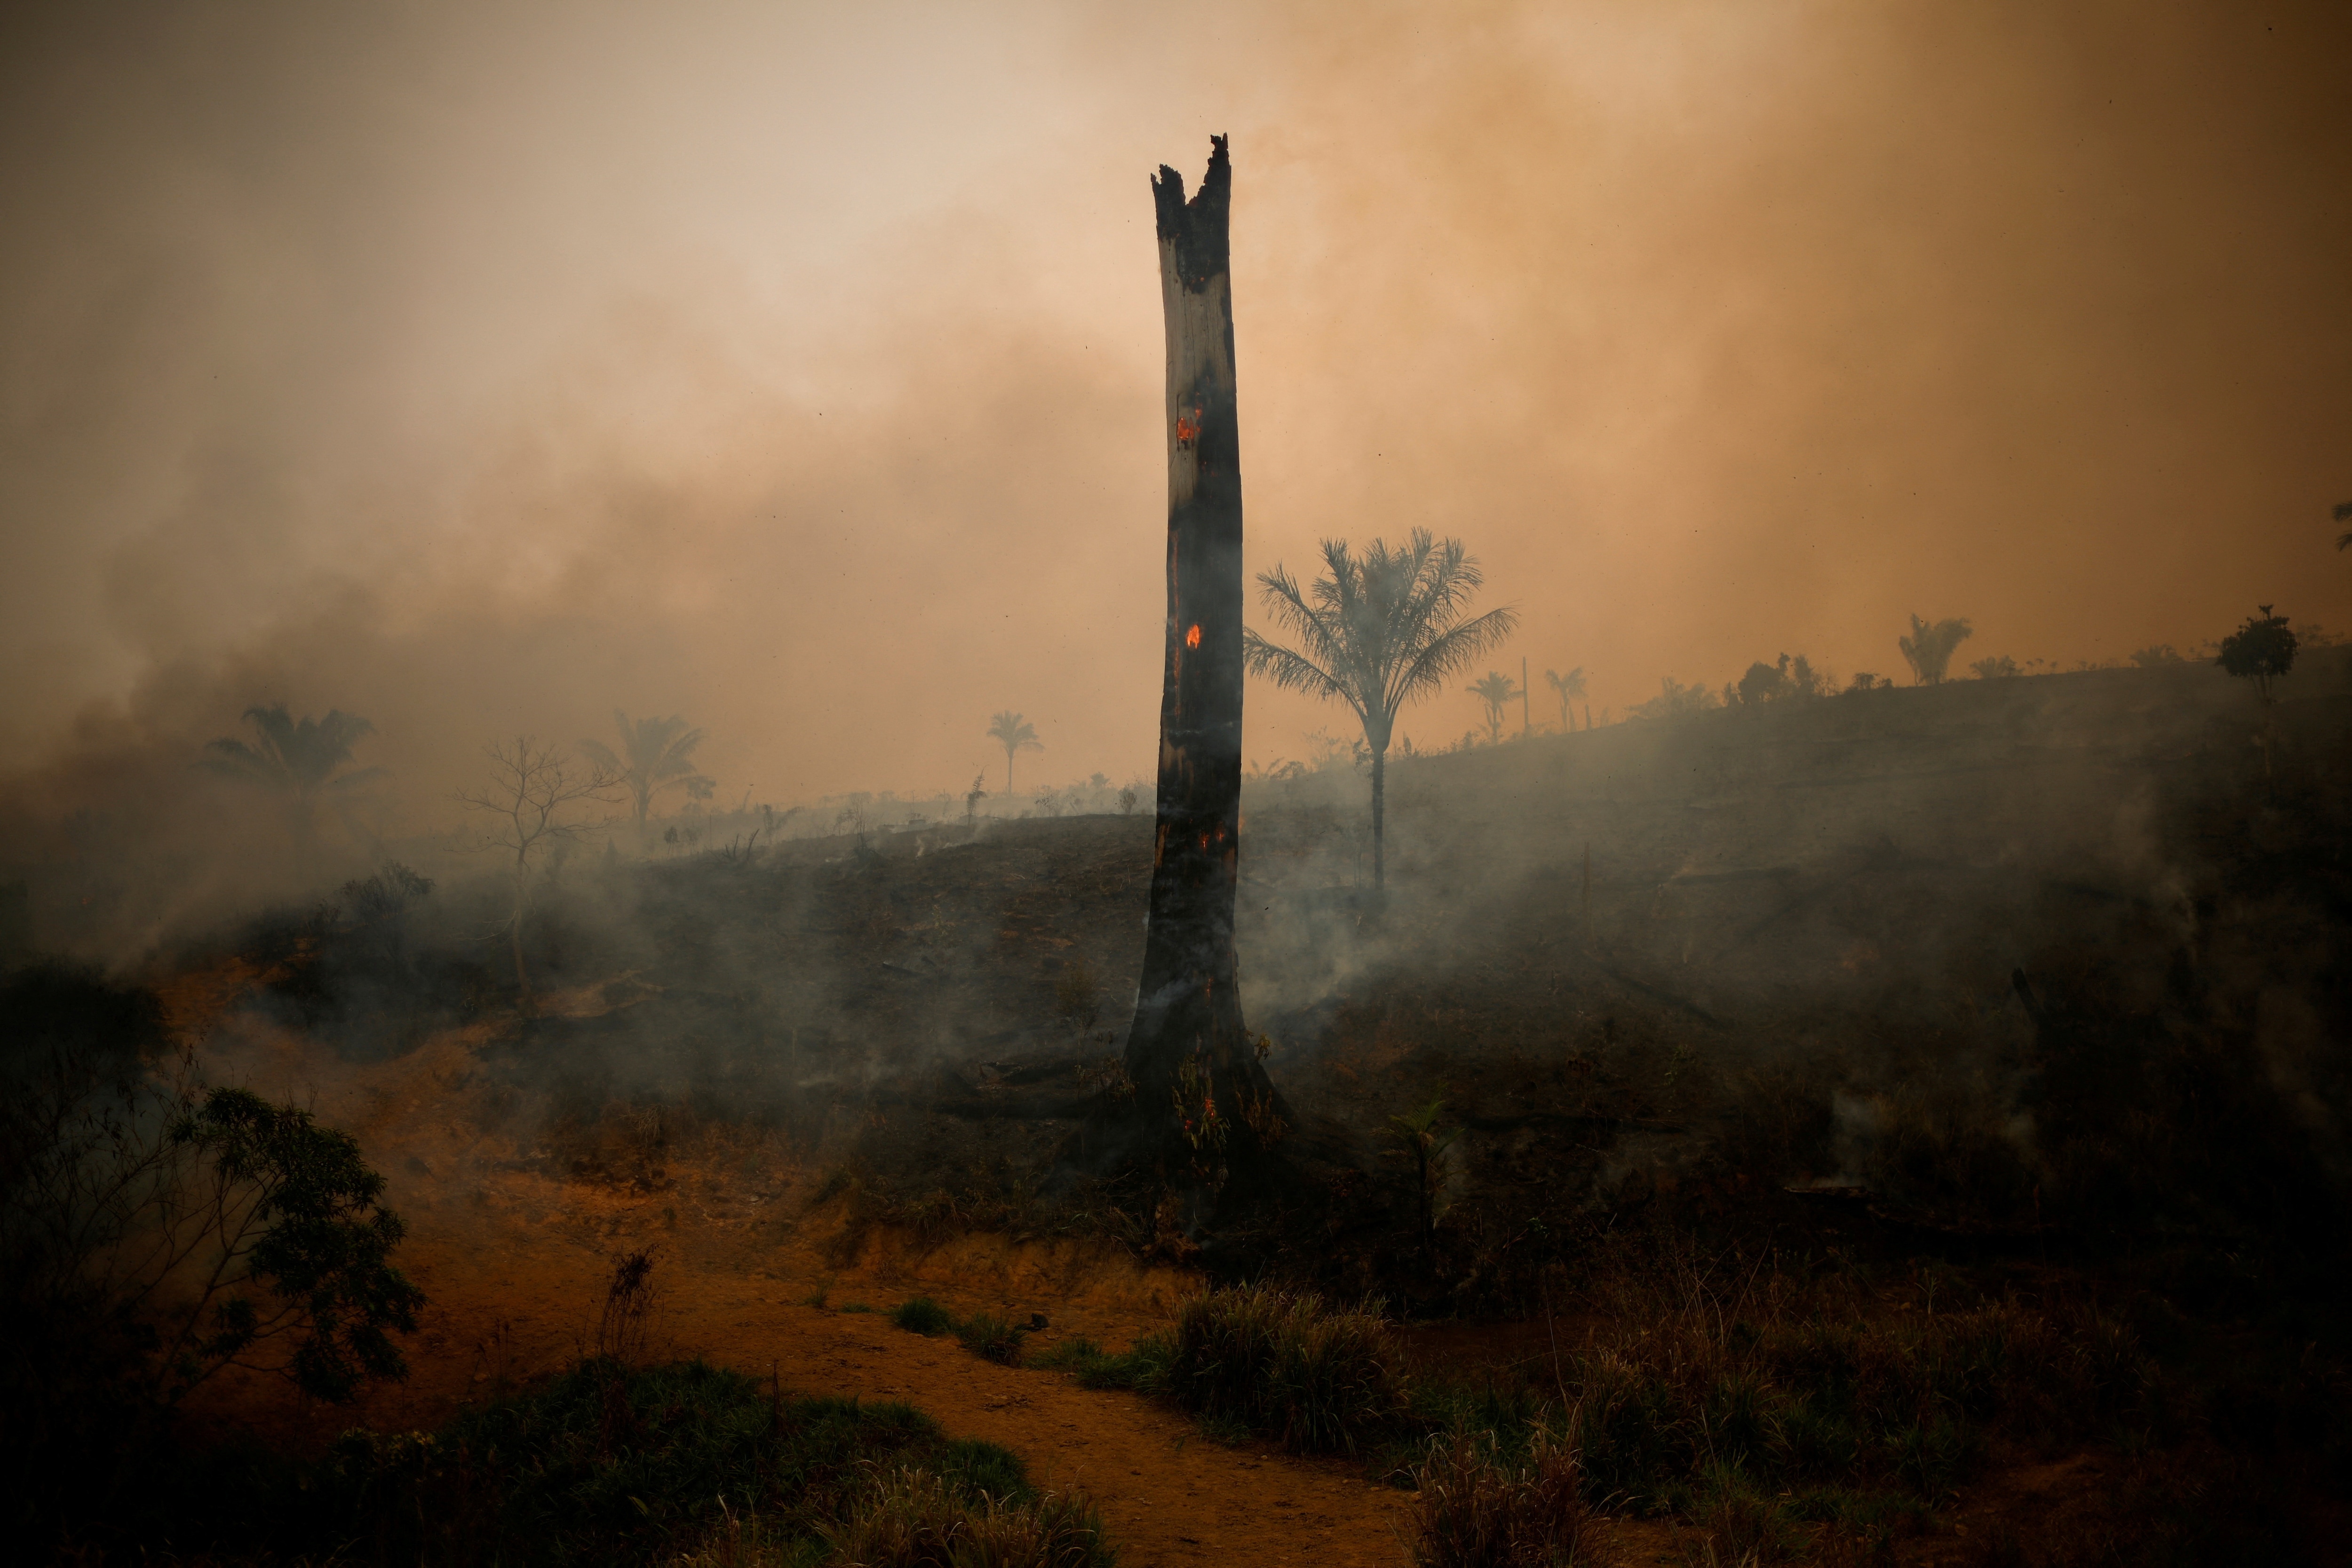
x=1675, y=700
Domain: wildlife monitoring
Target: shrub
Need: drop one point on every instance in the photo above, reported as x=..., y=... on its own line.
x=992, y=1339
x=922, y=1315
x=1317, y=1377
x=1474, y=1509
x=153, y=1231
x=1075, y=1352
x=913, y=1519
x=611, y=1465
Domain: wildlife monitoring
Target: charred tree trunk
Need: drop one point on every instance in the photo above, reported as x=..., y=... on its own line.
x=1200, y=1111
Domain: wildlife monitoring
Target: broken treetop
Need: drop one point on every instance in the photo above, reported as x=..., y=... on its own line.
x=1198, y=226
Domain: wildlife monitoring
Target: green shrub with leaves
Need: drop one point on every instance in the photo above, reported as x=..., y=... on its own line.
x=303, y=1250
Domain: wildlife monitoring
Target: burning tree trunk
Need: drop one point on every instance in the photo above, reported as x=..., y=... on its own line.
x=1202, y=1108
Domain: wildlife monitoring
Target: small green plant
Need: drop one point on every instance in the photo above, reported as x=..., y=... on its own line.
x=853, y=1307
x=922, y=1315
x=1072, y=1353
x=991, y=1338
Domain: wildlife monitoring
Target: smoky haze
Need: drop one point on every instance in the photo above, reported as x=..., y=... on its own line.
x=797, y=369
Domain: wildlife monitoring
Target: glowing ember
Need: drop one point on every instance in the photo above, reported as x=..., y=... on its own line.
x=1193, y=638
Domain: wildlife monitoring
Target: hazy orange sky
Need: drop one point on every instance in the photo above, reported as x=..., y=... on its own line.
x=483, y=367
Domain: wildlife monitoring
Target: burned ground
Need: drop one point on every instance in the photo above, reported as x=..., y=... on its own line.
x=2027, y=995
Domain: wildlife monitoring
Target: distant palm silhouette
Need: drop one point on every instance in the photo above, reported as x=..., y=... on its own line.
x=1016, y=735
x=1378, y=632
x=296, y=759
x=1497, y=690
x=655, y=754
x=2343, y=510
x=1566, y=688
x=1929, y=647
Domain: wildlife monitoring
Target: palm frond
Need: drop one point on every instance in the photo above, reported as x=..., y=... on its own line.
x=1453, y=650
x=1290, y=670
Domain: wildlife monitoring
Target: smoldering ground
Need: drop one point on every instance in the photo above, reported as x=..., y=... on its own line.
x=2028, y=962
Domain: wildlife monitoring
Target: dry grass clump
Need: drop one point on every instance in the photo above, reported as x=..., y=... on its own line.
x=1319, y=1378
x=913, y=1519
x=992, y=1338
x=1476, y=1508
x=1796, y=1389
x=922, y=1315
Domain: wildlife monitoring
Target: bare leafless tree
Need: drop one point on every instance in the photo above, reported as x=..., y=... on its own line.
x=528, y=806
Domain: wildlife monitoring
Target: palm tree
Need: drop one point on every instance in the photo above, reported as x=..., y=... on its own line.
x=298, y=759
x=1566, y=688
x=1496, y=690
x=1016, y=735
x=2343, y=510
x=655, y=752
x=1929, y=647
x=1378, y=632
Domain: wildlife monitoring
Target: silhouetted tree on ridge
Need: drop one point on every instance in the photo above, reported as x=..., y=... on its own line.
x=655, y=754
x=1016, y=735
x=1929, y=647
x=530, y=787
x=1567, y=688
x=1496, y=690
x=298, y=759
x=1378, y=632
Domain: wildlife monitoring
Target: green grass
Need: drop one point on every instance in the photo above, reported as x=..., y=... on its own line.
x=992, y=1338
x=922, y=1315
x=608, y=1464
x=1257, y=1361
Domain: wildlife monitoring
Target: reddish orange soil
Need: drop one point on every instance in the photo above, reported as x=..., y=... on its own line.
x=515, y=1264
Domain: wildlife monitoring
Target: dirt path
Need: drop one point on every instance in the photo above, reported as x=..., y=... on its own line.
x=515, y=1264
